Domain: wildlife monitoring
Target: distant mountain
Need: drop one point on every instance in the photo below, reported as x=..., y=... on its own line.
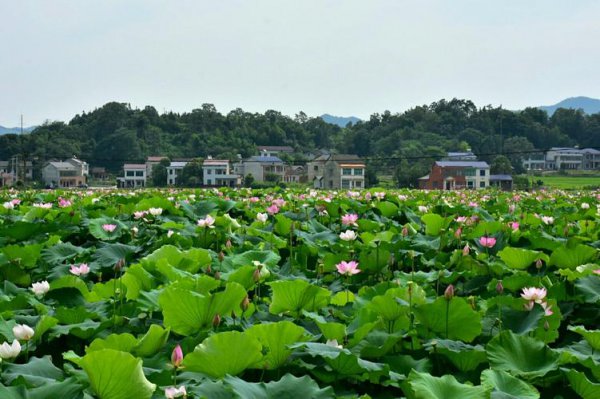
x=340, y=120
x=8, y=130
x=588, y=105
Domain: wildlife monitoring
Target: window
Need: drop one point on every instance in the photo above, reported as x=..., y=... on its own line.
x=358, y=172
x=470, y=184
x=316, y=168
x=345, y=183
x=346, y=171
x=139, y=173
x=209, y=182
x=129, y=173
x=481, y=172
x=171, y=171
x=482, y=184
x=358, y=184
x=209, y=172
x=469, y=172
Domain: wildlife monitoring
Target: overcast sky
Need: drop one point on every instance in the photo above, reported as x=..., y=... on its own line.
x=59, y=58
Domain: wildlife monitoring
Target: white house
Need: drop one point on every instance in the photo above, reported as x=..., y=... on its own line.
x=337, y=171
x=274, y=150
x=261, y=168
x=564, y=158
x=174, y=170
x=216, y=172
x=134, y=176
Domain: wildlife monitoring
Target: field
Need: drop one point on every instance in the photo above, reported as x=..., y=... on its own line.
x=288, y=293
x=569, y=182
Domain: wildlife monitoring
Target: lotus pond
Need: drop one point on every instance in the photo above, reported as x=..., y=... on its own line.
x=256, y=294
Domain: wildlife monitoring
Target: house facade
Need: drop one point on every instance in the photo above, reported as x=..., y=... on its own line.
x=134, y=176
x=151, y=162
x=174, y=170
x=70, y=173
x=274, y=150
x=14, y=170
x=334, y=171
x=564, y=158
x=295, y=174
x=217, y=172
x=455, y=175
x=262, y=168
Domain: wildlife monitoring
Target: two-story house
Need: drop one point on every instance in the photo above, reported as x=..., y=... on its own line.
x=261, y=168
x=174, y=170
x=333, y=171
x=564, y=158
x=454, y=175
x=70, y=173
x=134, y=176
x=15, y=170
x=216, y=172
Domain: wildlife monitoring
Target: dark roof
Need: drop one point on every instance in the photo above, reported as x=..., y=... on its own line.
x=501, y=177
x=338, y=158
x=462, y=164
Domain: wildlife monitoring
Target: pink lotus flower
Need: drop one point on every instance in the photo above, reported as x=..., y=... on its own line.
x=461, y=219
x=80, y=270
x=547, y=309
x=272, y=210
x=208, y=222
x=139, y=214
x=349, y=219
x=109, y=228
x=487, y=242
x=175, y=392
x=466, y=250
x=348, y=268
x=533, y=294
x=597, y=271
x=63, y=203
x=280, y=202
x=514, y=226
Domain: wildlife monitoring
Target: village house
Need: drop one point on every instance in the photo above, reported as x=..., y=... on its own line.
x=151, y=162
x=216, y=172
x=333, y=171
x=564, y=158
x=15, y=170
x=70, y=173
x=295, y=174
x=454, y=175
x=262, y=168
x=134, y=176
x=174, y=170
x=99, y=173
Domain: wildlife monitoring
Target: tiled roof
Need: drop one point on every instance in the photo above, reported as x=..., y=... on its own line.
x=463, y=164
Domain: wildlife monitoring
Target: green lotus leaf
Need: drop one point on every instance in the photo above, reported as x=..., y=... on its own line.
x=120, y=342
x=137, y=279
x=152, y=341
x=390, y=311
x=224, y=353
x=584, y=387
x=520, y=258
x=426, y=386
x=116, y=375
x=37, y=372
x=190, y=261
x=61, y=253
x=243, y=275
x=520, y=355
x=297, y=295
x=275, y=338
x=25, y=256
x=95, y=227
x=463, y=322
x=332, y=330
x=569, y=257
x=505, y=386
x=267, y=258
x=108, y=255
x=589, y=287
x=187, y=312
x=465, y=357
x=388, y=209
x=287, y=387
x=434, y=223
x=591, y=336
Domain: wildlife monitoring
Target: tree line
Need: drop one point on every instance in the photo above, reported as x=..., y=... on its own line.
x=404, y=144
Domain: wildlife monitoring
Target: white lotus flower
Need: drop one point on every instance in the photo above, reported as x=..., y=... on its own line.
x=155, y=211
x=10, y=351
x=262, y=217
x=23, y=332
x=348, y=235
x=40, y=288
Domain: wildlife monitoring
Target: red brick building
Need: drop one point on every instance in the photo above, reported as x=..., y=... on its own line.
x=456, y=175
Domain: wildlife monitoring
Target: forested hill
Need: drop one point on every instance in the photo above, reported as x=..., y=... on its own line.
x=411, y=140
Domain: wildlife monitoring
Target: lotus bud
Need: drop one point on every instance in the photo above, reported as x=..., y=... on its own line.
x=458, y=232
x=216, y=320
x=177, y=356
x=119, y=265
x=499, y=287
x=72, y=213
x=208, y=269
x=466, y=250
x=404, y=231
x=228, y=244
x=256, y=275
x=221, y=256
x=539, y=264
x=233, y=315
x=546, y=325
x=217, y=275
x=449, y=293
x=245, y=303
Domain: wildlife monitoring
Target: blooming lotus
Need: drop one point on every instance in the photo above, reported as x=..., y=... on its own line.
x=155, y=211
x=487, y=242
x=262, y=217
x=547, y=219
x=10, y=351
x=585, y=205
x=348, y=268
x=23, y=332
x=40, y=288
x=175, y=392
x=208, y=222
x=8, y=205
x=139, y=214
x=272, y=210
x=334, y=344
x=63, y=203
x=109, y=228
x=348, y=235
x=533, y=294
x=514, y=226
x=422, y=209
x=80, y=270
x=349, y=219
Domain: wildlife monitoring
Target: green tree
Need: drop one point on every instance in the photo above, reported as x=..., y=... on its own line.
x=159, y=173
x=191, y=175
x=501, y=166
